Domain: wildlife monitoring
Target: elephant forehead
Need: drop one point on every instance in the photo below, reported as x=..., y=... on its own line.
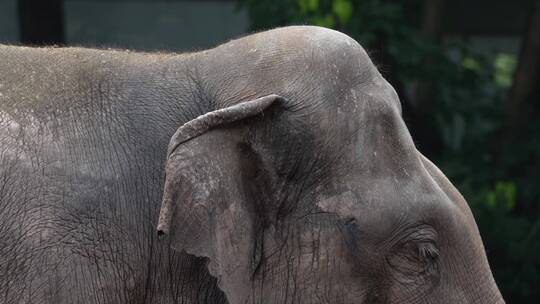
x=353, y=190
x=367, y=137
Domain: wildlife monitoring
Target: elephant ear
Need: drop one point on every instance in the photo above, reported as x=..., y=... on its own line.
x=207, y=209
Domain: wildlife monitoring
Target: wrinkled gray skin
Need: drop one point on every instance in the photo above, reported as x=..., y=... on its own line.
x=321, y=198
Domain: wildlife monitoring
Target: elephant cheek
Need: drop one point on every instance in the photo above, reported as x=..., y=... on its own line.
x=315, y=266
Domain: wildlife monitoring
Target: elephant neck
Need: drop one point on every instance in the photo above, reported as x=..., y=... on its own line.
x=162, y=95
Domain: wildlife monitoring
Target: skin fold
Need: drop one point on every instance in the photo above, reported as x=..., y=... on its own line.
x=315, y=195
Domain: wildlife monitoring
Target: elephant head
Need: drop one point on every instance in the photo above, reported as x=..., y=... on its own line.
x=326, y=205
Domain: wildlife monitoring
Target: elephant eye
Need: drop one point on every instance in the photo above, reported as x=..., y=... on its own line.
x=414, y=259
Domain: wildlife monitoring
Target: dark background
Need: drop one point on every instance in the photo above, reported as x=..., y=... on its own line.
x=467, y=72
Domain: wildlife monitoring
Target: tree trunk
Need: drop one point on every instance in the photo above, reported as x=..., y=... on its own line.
x=41, y=22
x=421, y=109
x=433, y=17
x=431, y=28
x=526, y=74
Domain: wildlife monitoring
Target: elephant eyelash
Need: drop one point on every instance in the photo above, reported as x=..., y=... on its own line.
x=428, y=251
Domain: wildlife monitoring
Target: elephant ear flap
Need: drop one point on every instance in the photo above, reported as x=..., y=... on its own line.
x=205, y=209
x=212, y=119
x=197, y=127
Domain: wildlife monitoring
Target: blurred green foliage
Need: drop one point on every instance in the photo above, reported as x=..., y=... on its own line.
x=505, y=65
x=464, y=112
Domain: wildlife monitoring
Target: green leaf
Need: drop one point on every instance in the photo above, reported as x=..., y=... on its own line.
x=491, y=200
x=308, y=6
x=504, y=195
x=472, y=64
x=324, y=21
x=507, y=190
x=505, y=64
x=343, y=10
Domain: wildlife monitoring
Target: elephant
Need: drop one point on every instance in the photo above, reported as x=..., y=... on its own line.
x=274, y=168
